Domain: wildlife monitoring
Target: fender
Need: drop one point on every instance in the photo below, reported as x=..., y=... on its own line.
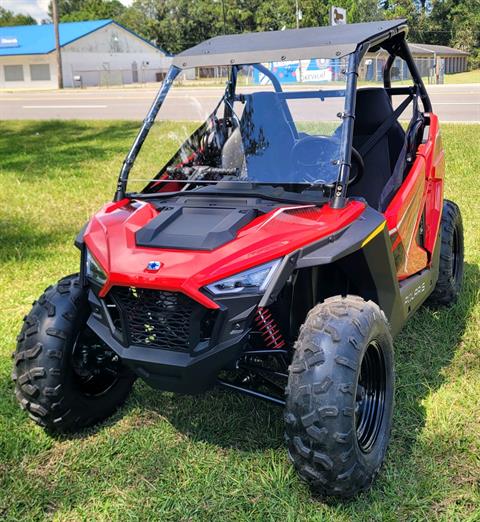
x=362, y=252
x=79, y=238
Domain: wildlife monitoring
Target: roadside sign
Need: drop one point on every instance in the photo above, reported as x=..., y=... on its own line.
x=316, y=71
x=338, y=15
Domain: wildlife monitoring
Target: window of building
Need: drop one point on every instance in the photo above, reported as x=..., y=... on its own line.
x=40, y=72
x=13, y=73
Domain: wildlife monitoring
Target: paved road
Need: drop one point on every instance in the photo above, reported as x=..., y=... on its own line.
x=450, y=102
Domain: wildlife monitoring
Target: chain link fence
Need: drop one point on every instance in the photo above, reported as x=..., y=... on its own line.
x=432, y=69
x=116, y=77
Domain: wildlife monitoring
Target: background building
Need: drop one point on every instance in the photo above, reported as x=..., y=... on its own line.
x=100, y=52
x=454, y=60
x=432, y=61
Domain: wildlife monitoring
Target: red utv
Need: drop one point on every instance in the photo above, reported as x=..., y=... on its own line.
x=294, y=227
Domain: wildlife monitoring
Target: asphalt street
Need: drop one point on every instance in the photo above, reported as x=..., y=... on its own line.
x=460, y=103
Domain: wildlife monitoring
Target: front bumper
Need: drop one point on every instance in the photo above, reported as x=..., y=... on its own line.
x=192, y=371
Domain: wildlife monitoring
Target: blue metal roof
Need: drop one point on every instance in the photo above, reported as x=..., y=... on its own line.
x=40, y=39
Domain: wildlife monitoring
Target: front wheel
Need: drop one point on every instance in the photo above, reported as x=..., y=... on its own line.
x=340, y=396
x=65, y=376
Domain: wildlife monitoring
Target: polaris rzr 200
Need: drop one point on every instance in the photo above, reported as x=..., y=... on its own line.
x=270, y=237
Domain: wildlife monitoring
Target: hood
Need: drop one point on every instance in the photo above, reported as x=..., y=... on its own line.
x=196, y=247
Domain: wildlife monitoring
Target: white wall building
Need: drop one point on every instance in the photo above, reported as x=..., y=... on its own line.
x=99, y=52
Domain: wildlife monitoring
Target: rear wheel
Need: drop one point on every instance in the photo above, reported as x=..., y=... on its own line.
x=65, y=376
x=340, y=396
x=450, y=272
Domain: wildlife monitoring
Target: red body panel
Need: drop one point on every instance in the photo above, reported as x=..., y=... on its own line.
x=403, y=217
x=110, y=236
x=421, y=191
x=434, y=156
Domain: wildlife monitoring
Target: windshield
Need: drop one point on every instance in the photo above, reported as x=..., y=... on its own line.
x=263, y=124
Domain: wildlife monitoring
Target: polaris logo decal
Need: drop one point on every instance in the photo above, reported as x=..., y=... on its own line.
x=153, y=266
x=415, y=293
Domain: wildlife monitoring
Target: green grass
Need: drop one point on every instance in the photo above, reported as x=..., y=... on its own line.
x=219, y=456
x=464, y=77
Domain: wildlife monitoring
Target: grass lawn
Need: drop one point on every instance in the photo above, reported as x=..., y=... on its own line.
x=219, y=456
x=464, y=77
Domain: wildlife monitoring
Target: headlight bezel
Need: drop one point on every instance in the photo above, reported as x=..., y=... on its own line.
x=94, y=271
x=255, y=280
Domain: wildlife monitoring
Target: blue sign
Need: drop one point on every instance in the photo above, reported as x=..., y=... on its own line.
x=320, y=70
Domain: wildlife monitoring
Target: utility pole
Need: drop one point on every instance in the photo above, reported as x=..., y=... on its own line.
x=298, y=17
x=224, y=18
x=57, y=43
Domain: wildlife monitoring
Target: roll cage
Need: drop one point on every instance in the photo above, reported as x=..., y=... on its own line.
x=372, y=36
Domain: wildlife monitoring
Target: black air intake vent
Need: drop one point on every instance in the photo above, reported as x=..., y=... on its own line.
x=160, y=319
x=194, y=228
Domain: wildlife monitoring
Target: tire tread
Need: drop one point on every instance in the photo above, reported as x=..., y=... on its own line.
x=447, y=289
x=319, y=435
x=39, y=360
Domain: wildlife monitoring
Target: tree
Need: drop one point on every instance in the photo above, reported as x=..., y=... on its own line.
x=414, y=11
x=143, y=18
x=364, y=11
x=457, y=23
x=9, y=19
x=178, y=24
x=80, y=10
x=175, y=25
x=65, y=7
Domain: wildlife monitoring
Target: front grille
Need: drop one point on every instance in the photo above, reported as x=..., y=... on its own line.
x=159, y=319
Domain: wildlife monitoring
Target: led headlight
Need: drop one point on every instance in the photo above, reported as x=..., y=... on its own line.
x=93, y=270
x=254, y=280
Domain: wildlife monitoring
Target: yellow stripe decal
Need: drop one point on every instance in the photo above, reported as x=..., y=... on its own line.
x=374, y=233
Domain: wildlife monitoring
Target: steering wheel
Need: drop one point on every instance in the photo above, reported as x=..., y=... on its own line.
x=312, y=158
x=357, y=169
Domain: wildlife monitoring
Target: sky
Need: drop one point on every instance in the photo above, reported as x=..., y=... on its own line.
x=35, y=8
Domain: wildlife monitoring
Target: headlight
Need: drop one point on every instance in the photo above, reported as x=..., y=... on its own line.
x=254, y=280
x=93, y=270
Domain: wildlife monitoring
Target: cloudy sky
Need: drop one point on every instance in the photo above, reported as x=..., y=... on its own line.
x=35, y=8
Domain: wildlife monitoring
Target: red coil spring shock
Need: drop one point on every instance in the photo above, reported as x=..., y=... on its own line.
x=268, y=329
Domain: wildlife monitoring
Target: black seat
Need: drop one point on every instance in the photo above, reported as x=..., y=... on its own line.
x=373, y=107
x=268, y=137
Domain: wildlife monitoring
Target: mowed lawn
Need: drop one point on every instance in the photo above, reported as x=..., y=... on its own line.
x=218, y=456
x=465, y=77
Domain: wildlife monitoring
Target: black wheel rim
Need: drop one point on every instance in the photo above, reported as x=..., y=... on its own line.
x=370, y=397
x=96, y=368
